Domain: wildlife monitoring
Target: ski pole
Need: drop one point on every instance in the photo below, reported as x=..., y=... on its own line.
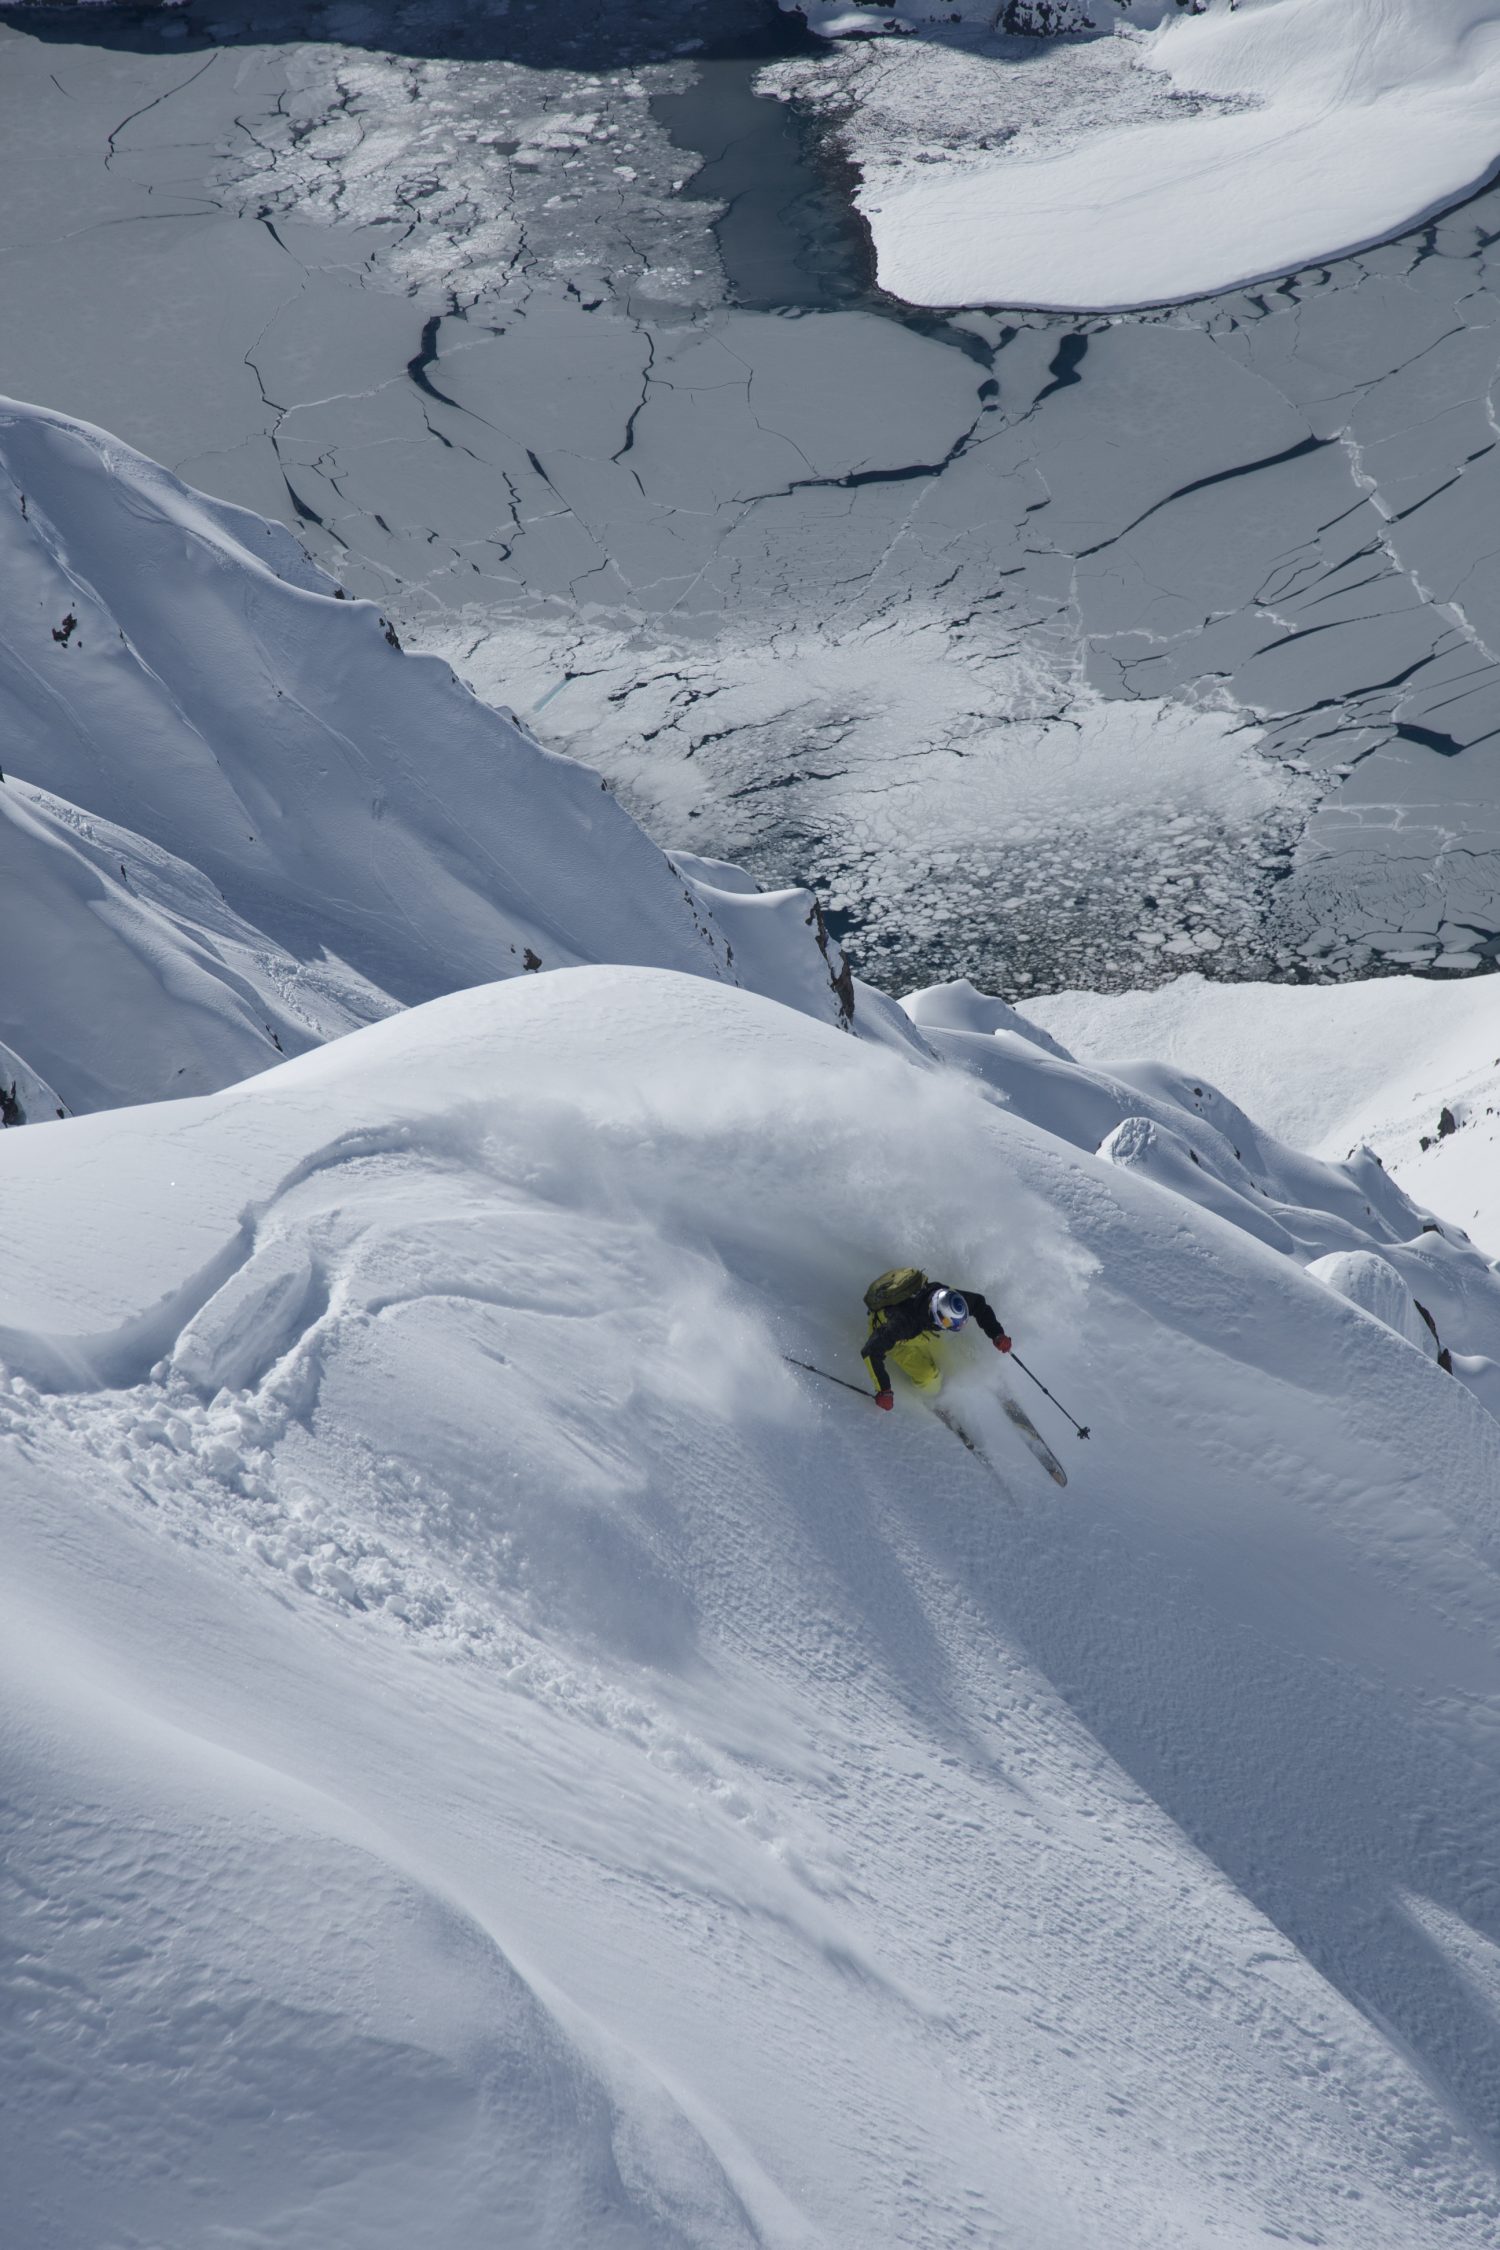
x=1017, y=1361
x=857, y=1388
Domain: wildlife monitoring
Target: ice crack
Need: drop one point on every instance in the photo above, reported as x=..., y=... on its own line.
x=145, y=107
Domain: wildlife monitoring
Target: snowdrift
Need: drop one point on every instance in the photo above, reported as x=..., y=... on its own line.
x=237, y=820
x=1300, y=130
x=1176, y=1128
x=1408, y=1066
x=501, y=1756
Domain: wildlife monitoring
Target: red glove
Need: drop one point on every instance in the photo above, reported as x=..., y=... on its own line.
x=1002, y=1343
x=884, y=1401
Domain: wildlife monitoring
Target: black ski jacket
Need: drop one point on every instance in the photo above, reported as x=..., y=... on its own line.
x=913, y=1317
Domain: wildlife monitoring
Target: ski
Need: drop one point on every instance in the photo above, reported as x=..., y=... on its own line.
x=1032, y=1437
x=1030, y=1434
x=1049, y=1460
x=942, y=1415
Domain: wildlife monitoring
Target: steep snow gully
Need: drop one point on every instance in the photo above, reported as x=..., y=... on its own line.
x=492, y=1754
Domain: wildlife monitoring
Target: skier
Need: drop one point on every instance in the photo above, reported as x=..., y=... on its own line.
x=908, y=1316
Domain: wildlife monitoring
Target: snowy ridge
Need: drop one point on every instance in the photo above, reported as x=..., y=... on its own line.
x=255, y=819
x=1179, y=1131
x=472, y=1594
x=1409, y=1066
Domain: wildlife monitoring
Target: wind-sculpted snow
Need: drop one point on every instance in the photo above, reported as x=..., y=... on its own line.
x=1372, y=1283
x=502, y=1756
x=237, y=820
x=1176, y=1129
x=1406, y=1065
x=268, y=2018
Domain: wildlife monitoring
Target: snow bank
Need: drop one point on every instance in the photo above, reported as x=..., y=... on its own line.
x=1173, y=1126
x=502, y=1756
x=1086, y=1103
x=959, y=1006
x=1373, y=1285
x=237, y=820
x=1302, y=129
x=1381, y=1062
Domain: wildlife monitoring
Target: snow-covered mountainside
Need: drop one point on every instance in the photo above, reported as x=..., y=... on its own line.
x=1175, y=1126
x=1407, y=1066
x=497, y=1755
x=495, y=1752
x=1206, y=143
x=237, y=819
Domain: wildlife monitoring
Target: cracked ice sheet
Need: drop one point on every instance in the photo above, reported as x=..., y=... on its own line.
x=697, y=540
x=1332, y=384
x=1188, y=509
x=148, y=294
x=1133, y=835
x=155, y=192
x=1275, y=132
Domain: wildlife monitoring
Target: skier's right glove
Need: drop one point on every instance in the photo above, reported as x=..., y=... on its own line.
x=1002, y=1343
x=884, y=1401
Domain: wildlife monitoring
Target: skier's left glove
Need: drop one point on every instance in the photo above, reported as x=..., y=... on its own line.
x=1002, y=1343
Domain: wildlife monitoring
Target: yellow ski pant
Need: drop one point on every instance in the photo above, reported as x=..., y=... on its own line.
x=917, y=1360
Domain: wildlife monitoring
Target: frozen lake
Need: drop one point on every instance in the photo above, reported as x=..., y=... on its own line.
x=1050, y=649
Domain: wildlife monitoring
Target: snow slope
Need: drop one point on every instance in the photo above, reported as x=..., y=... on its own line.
x=237, y=820
x=1292, y=131
x=1173, y=1126
x=499, y=1756
x=1329, y=1067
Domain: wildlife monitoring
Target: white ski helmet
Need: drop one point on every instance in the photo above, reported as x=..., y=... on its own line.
x=948, y=1309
